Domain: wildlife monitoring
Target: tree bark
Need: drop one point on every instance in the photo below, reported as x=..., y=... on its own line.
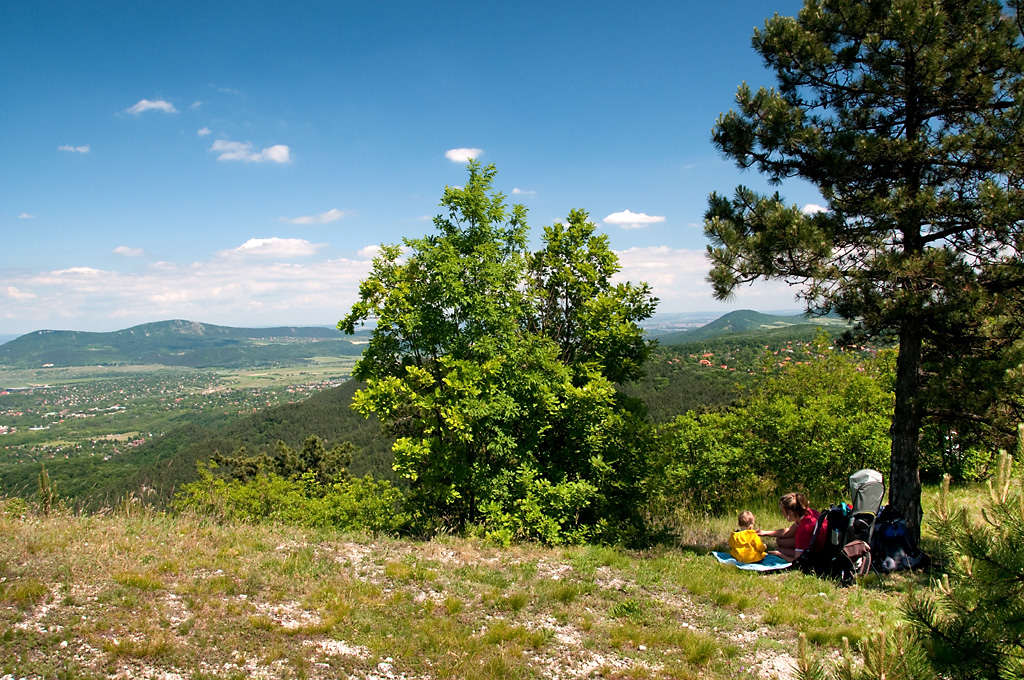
x=904, y=477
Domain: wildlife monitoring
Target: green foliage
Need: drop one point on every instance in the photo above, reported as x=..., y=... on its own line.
x=494, y=369
x=575, y=304
x=905, y=115
x=887, y=656
x=356, y=503
x=326, y=466
x=805, y=428
x=946, y=449
x=973, y=618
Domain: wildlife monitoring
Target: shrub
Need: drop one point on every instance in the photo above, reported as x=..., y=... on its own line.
x=357, y=503
x=805, y=428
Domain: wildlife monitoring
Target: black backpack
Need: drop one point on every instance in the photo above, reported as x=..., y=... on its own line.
x=892, y=547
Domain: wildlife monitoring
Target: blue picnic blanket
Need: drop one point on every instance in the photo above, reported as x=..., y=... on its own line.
x=769, y=563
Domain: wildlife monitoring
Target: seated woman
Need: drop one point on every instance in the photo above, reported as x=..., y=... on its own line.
x=792, y=541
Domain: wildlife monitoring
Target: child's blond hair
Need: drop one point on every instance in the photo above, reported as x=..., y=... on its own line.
x=746, y=520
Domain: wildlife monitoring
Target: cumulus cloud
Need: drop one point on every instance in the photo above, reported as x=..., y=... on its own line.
x=196, y=105
x=243, y=151
x=281, y=248
x=152, y=105
x=234, y=291
x=12, y=293
x=26, y=216
x=462, y=155
x=74, y=149
x=203, y=131
x=813, y=209
x=631, y=220
x=129, y=252
x=523, y=192
x=677, y=277
x=331, y=215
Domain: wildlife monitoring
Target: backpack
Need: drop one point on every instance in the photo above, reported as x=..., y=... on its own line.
x=845, y=552
x=891, y=545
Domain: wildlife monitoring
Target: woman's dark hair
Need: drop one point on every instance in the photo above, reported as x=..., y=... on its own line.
x=794, y=504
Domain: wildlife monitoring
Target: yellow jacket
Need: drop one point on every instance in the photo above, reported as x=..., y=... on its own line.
x=746, y=546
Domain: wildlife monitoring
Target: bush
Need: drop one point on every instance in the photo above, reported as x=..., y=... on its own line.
x=806, y=428
x=356, y=503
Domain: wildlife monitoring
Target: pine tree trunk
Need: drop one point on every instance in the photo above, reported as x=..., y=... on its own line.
x=904, y=477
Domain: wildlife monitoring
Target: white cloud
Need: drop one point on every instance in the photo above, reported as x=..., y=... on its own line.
x=74, y=149
x=26, y=216
x=677, y=279
x=13, y=293
x=274, y=247
x=196, y=105
x=243, y=151
x=462, y=155
x=235, y=291
x=203, y=131
x=129, y=252
x=812, y=209
x=631, y=220
x=523, y=192
x=331, y=215
x=154, y=105
x=232, y=288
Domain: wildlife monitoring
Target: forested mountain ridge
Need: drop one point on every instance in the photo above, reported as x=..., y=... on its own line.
x=177, y=343
x=744, y=320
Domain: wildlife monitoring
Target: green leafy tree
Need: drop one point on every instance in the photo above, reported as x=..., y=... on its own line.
x=574, y=302
x=494, y=368
x=807, y=427
x=906, y=115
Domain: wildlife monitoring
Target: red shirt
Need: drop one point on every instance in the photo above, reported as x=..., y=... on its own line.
x=805, y=529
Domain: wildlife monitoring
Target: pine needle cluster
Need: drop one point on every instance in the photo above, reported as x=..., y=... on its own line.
x=972, y=621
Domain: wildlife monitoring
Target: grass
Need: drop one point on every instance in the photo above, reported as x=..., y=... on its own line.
x=152, y=595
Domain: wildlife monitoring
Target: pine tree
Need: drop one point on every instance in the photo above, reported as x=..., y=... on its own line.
x=973, y=620
x=907, y=117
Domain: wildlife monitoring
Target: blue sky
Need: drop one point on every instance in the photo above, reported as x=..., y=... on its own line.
x=236, y=162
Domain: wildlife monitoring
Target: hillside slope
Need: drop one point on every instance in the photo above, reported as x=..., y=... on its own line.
x=161, y=465
x=151, y=596
x=745, y=320
x=176, y=343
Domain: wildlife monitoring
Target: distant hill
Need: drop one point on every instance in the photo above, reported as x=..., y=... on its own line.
x=177, y=343
x=745, y=320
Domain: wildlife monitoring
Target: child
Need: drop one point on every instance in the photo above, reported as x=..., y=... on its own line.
x=744, y=543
